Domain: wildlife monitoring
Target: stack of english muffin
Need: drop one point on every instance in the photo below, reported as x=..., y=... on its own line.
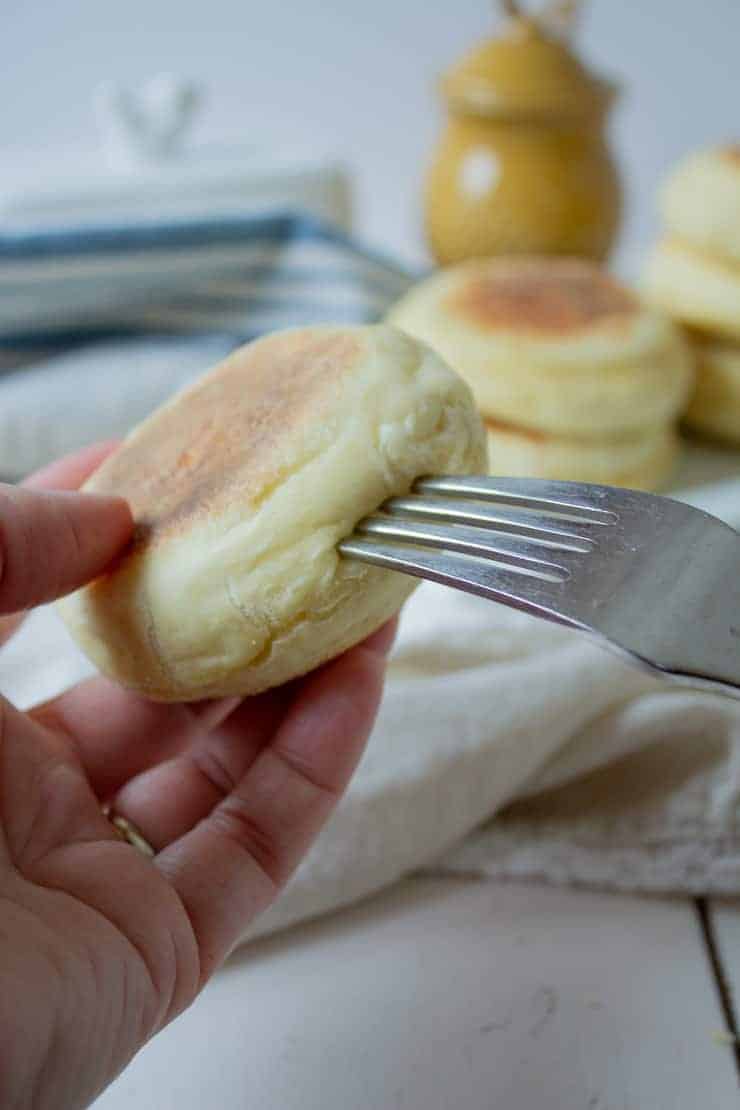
x=694, y=274
x=575, y=378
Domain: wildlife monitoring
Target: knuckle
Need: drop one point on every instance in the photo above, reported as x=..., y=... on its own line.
x=68, y=551
x=3, y=556
x=71, y=536
x=214, y=771
x=303, y=768
x=234, y=819
x=6, y=509
x=17, y=550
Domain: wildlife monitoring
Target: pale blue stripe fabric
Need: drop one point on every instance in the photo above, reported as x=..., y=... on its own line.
x=240, y=276
x=99, y=326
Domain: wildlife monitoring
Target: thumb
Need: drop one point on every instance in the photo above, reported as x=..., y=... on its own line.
x=51, y=543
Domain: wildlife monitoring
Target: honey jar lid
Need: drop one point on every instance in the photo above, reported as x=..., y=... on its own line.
x=529, y=71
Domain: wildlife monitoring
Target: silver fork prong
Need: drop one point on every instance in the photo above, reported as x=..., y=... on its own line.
x=657, y=580
x=590, y=504
x=537, y=592
x=481, y=542
x=572, y=534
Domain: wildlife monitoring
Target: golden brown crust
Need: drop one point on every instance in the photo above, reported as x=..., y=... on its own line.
x=732, y=152
x=553, y=297
x=533, y=434
x=187, y=467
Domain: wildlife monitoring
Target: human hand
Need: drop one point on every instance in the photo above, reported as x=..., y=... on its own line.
x=100, y=946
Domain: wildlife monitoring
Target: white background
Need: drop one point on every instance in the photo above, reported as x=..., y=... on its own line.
x=360, y=76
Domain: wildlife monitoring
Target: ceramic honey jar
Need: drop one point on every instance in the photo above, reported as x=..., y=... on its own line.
x=523, y=166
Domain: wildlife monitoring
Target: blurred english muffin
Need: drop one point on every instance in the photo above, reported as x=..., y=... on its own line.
x=694, y=286
x=242, y=486
x=556, y=345
x=693, y=273
x=714, y=409
x=700, y=201
x=643, y=462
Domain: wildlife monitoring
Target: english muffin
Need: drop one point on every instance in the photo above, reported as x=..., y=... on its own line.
x=694, y=286
x=644, y=462
x=700, y=201
x=241, y=488
x=714, y=409
x=556, y=345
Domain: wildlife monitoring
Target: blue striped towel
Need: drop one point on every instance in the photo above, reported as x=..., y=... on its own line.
x=98, y=326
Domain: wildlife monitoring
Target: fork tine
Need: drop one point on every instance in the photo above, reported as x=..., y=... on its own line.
x=575, y=535
x=589, y=503
x=483, y=542
x=533, y=592
x=653, y=578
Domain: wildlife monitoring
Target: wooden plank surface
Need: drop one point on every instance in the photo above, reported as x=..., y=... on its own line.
x=455, y=994
x=724, y=922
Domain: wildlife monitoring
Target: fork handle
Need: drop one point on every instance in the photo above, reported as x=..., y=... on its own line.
x=708, y=670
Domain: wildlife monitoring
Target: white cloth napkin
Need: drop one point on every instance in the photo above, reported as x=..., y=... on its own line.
x=505, y=747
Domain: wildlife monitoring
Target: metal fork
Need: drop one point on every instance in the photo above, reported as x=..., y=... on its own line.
x=653, y=578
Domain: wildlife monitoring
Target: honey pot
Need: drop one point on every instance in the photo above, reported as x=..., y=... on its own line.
x=523, y=166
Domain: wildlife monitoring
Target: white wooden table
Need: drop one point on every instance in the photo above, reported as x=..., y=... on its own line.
x=447, y=993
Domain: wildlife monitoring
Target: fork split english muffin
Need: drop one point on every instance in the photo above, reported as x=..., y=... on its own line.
x=575, y=377
x=241, y=488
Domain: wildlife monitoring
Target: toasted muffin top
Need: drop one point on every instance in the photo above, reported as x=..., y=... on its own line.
x=222, y=440
x=557, y=297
